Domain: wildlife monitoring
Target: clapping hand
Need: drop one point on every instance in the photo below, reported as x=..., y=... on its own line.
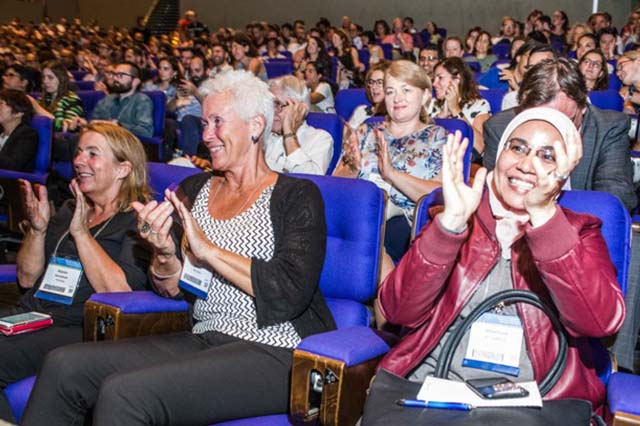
x=351, y=154
x=384, y=162
x=79, y=222
x=199, y=244
x=154, y=224
x=460, y=199
x=540, y=202
x=36, y=206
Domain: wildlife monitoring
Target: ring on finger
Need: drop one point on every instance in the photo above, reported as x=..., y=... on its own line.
x=146, y=227
x=560, y=178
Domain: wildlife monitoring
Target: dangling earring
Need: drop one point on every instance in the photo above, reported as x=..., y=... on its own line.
x=254, y=139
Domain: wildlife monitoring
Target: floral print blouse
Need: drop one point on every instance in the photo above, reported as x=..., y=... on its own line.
x=418, y=154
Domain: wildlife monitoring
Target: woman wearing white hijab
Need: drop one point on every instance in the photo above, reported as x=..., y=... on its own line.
x=511, y=235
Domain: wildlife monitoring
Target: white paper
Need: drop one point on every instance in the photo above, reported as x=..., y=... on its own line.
x=441, y=390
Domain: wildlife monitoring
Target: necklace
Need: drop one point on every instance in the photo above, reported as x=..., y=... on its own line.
x=253, y=191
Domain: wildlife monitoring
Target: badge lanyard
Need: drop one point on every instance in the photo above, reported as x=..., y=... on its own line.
x=62, y=277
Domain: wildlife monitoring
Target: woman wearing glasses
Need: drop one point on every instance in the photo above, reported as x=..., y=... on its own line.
x=375, y=94
x=402, y=156
x=509, y=234
x=593, y=67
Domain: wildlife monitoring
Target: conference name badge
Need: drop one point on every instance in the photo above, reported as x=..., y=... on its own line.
x=61, y=280
x=495, y=342
x=194, y=279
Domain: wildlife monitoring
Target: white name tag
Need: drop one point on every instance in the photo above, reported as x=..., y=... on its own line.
x=61, y=280
x=195, y=280
x=494, y=344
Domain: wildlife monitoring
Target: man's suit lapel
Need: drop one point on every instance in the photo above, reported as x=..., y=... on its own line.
x=582, y=174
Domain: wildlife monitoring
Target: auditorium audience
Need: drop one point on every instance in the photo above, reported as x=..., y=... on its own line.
x=95, y=232
x=246, y=57
x=263, y=238
x=321, y=92
x=457, y=96
x=428, y=57
x=403, y=156
x=167, y=79
x=482, y=52
x=350, y=68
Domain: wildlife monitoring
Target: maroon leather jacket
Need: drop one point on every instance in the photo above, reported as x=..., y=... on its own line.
x=565, y=261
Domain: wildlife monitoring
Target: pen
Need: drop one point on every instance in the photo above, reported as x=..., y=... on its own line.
x=434, y=404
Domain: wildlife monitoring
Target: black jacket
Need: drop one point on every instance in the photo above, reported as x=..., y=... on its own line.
x=19, y=151
x=286, y=287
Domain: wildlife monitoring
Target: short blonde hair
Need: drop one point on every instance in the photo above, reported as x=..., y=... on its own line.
x=412, y=74
x=126, y=147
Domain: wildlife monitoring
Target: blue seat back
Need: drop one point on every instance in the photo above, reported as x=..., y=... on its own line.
x=354, y=212
x=494, y=97
x=607, y=99
x=348, y=99
x=278, y=67
x=501, y=50
x=332, y=124
x=614, y=82
x=475, y=66
x=79, y=75
x=159, y=106
x=453, y=124
x=363, y=56
x=44, y=127
x=90, y=99
x=387, y=50
x=85, y=85
x=162, y=175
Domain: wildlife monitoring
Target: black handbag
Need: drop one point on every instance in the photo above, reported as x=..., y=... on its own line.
x=381, y=409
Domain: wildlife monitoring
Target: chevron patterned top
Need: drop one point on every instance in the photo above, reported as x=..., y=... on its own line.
x=228, y=309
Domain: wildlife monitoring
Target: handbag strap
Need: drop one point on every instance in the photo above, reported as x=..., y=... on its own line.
x=508, y=296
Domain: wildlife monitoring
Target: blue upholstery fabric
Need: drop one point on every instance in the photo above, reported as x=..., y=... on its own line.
x=162, y=175
x=494, y=97
x=350, y=345
x=18, y=394
x=623, y=393
x=354, y=211
x=159, y=107
x=501, y=50
x=278, y=67
x=332, y=124
x=274, y=420
x=140, y=302
x=85, y=85
x=607, y=99
x=364, y=56
x=89, y=100
x=79, y=75
x=44, y=127
x=348, y=313
x=8, y=273
x=348, y=99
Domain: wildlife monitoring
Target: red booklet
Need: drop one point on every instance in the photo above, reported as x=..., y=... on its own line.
x=24, y=323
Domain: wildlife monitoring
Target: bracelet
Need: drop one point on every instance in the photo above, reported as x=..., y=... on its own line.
x=163, y=277
x=288, y=135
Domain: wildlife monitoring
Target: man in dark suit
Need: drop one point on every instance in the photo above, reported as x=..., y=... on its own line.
x=605, y=164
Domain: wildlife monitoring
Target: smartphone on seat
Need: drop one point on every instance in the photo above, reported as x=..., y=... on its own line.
x=496, y=388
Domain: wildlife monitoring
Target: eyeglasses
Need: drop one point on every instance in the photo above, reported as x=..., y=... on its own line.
x=521, y=149
x=279, y=105
x=621, y=65
x=118, y=75
x=379, y=82
x=428, y=58
x=591, y=63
